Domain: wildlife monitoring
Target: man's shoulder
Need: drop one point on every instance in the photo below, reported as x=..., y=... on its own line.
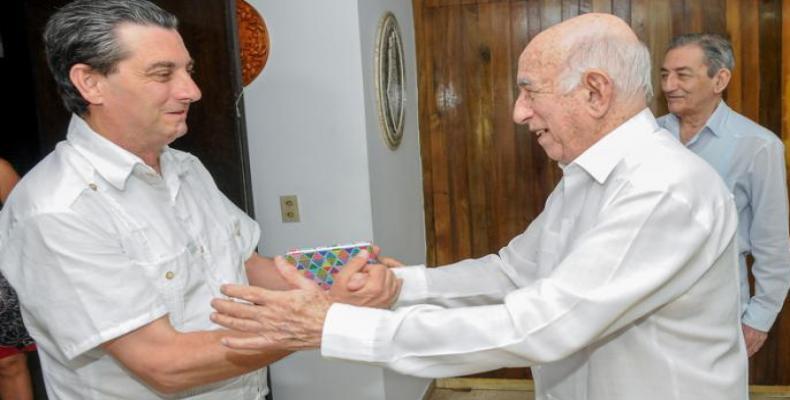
x=53, y=184
x=665, y=164
x=743, y=127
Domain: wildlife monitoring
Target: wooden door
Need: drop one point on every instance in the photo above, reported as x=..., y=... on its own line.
x=485, y=178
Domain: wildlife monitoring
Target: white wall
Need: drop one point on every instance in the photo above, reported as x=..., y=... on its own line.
x=312, y=131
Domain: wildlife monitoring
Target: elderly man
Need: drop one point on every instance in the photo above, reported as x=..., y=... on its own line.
x=116, y=243
x=622, y=287
x=748, y=157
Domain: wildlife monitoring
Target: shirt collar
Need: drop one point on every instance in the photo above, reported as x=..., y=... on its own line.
x=602, y=157
x=715, y=122
x=111, y=161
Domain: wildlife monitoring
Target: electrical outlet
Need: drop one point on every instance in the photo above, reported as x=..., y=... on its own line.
x=289, y=207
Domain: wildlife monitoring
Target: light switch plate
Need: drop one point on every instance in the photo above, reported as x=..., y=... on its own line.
x=289, y=207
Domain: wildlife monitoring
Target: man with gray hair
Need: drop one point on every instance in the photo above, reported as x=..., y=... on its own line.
x=621, y=289
x=697, y=68
x=116, y=243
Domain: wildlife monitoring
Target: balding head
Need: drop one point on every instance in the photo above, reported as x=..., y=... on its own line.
x=595, y=41
x=579, y=80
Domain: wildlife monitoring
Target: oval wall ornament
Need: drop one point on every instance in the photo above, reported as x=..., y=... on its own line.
x=390, y=80
x=253, y=41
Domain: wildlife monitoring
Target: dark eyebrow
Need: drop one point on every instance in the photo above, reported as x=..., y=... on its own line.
x=681, y=69
x=159, y=65
x=167, y=65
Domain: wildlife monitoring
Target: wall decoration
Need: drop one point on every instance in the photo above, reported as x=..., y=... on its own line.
x=390, y=80
x=253, y=41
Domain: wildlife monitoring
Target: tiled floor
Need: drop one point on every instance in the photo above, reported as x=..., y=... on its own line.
x=486, y=389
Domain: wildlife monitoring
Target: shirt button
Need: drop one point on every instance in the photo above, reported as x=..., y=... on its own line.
x=170, y=275
x=92, y=186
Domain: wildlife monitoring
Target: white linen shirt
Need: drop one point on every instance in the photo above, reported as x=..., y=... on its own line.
x=97, y=244
x=621, y=289
x=751, y=160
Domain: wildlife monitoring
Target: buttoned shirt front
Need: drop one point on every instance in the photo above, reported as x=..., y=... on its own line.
x=751, y=161
x=621, y=288
x=97, y=244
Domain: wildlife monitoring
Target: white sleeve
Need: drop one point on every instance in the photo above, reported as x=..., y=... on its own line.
x=622, y=269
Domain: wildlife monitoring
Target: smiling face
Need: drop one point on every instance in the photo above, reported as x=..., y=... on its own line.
x=686, y=84
x=554, y=118
x=143, y=103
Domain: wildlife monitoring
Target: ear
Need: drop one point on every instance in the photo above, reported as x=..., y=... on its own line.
x=86, y=80
x=721, y=80
x=600, y=92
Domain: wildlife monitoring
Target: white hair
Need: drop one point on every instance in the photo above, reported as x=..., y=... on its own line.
x=627, y=62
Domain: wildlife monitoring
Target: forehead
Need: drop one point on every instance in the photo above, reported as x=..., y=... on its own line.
x=690, y=55
x=536, y=65
x=151, y=44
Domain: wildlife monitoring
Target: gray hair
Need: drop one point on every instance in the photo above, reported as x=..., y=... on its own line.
x=716, y=49
x=83, y=32
x=626, y=61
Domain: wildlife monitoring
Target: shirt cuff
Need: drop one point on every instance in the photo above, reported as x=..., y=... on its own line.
x=758, y=317
x=350, y=333
x=415, y=285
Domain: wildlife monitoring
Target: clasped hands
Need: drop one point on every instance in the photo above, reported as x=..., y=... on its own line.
x=294, y=319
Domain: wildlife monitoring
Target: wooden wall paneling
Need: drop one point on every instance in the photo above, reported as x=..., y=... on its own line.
x=750, y=76
x=502, y=157
x=478, y=101
x=551, y=13
x=458, y=144
x=424, y=95
x=585, y=6
x=570, y=9
x=733, y=95
x=770, y=31
x=678, y=18
x=602, y=6
x=515, y=199
x=659, y=33
x=443, y=94
x=622, y=9
x=692, y=12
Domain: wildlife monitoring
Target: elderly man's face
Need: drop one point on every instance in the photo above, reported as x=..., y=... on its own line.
x=552, y=117
x=685, y=81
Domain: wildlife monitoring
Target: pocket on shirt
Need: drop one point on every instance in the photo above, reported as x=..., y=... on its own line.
x=169, y=277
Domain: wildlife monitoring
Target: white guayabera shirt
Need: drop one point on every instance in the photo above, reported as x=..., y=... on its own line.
x=625, y=287
x=97, y=245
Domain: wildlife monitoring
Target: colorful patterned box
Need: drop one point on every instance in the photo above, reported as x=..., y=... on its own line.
x=321, y=264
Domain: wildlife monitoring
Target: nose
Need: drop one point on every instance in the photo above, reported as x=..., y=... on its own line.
x=522, y=110
x=668, y=83
x=188, y=90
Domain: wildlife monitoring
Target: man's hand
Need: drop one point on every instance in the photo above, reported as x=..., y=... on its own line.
x=291, y=319
x=294, y=319
x=379, y=288
x=754, y=339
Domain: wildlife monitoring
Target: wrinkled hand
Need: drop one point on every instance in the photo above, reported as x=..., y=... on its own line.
x=754, y=339
x=379, y=289
x=282, y=320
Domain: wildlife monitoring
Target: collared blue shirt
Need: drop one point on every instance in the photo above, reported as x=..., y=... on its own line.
x=751, y=161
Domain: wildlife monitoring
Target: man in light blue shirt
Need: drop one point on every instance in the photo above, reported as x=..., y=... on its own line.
x=750, y=159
